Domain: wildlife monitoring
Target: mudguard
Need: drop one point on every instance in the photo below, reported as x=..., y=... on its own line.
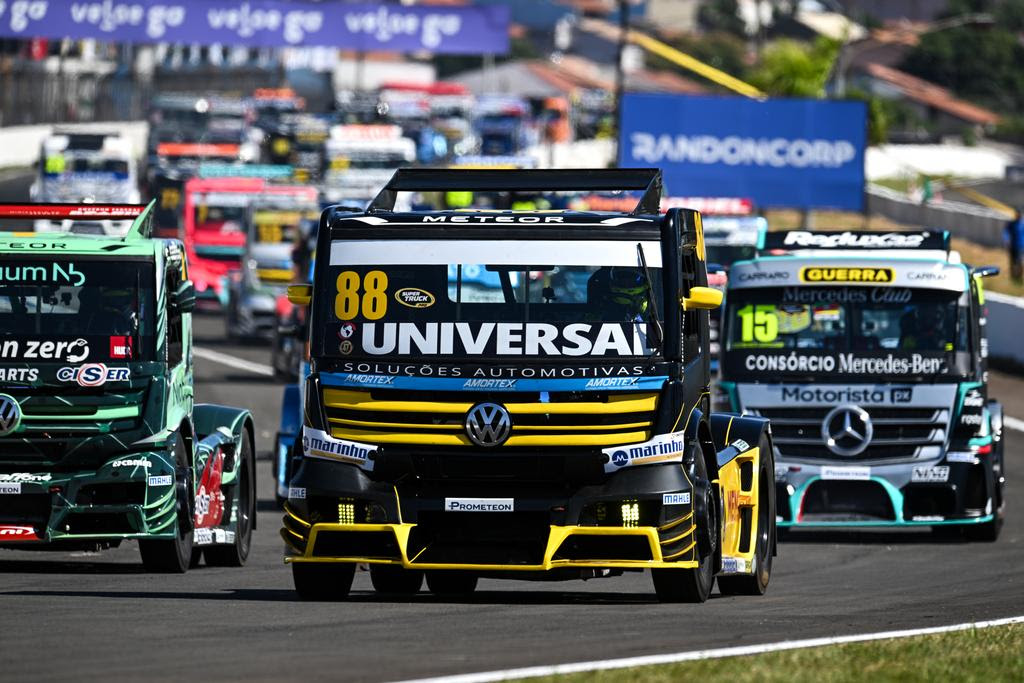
x=734, y=434
x=219, y=429
x=208, y=417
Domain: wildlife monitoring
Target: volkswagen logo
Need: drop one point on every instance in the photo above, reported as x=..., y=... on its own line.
x=10, y=414
x=488, y=424
x=847, y=430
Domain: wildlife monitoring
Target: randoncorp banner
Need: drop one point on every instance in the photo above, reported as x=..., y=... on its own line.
x=265, y=23
x=790, y=153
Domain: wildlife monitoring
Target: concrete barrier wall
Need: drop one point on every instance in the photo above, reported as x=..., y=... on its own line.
x=968, y=221
x=19, y=145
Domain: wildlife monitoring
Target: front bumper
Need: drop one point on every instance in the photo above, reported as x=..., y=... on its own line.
x=934, y=493
x=131, y=496
x=634, y=519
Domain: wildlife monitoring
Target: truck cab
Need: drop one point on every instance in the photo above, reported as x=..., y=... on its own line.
x=100, y=438
x=867, y=352
x=519, y=394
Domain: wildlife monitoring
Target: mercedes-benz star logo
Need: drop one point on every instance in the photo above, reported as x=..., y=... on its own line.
x=488, y=424
x=10, y=414
x=847, y=430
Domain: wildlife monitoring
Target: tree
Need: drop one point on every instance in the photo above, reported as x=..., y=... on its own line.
x=789, y=68
x=721, y=50
x=722, y=15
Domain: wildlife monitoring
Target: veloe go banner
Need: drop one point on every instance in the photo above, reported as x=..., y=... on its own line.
x=779, y=152
x=264, y=23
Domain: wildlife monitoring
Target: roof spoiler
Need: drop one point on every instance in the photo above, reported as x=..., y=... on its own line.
x=647, y=180
x=139, y=214
x=856, y=240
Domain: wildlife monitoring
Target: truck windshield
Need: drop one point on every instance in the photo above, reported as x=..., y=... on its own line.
x=491, y=299
x=107, y=303
x=836, y=326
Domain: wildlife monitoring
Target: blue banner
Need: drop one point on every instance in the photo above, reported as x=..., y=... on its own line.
x=264, y=23
x=781, y=153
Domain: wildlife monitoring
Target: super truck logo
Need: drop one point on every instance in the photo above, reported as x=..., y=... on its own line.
x=502, y=339
x=31, y=349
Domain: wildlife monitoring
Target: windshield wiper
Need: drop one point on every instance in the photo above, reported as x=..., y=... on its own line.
x=652, y=304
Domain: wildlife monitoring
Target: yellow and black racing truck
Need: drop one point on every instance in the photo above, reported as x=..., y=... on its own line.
x=520, y=394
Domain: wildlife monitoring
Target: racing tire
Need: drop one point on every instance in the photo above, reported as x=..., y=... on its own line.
x=328, y=581
x=451, y=583
x=175, y=555
x=757, y=582
x=391, y=580
x=235, y=554
x=694, y=585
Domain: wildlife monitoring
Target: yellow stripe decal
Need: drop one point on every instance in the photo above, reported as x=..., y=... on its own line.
x=360, y=400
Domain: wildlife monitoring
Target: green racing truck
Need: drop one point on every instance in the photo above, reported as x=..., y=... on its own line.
x=520, y=394
x=100, y=441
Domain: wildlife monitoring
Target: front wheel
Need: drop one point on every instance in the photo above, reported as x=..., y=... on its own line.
x=757, y=582
x=315, y=581
x=694, y=585
x=173, y=556
x=235, y=554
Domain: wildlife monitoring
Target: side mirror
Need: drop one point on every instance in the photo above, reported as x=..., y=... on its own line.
x=701, y=298
x=985, y=271
x=185, y=297
x=300, y=295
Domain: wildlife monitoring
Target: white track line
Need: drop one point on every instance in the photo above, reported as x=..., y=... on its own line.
x=1013, y=423
x=233, y=361
x=606, y=664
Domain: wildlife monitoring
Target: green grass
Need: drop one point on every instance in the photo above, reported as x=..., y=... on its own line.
x=985, y=655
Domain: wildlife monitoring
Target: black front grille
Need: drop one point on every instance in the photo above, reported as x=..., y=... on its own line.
x=604, y=548
x=449, y=467
x=29, y=508
x=512, y=538
x=899, y=433
x=845, y=500
x=100, y=523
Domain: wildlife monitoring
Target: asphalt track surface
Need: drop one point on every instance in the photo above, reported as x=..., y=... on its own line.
x=99, y=617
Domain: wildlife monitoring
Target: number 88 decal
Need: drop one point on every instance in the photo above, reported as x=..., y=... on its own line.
x=374, y=301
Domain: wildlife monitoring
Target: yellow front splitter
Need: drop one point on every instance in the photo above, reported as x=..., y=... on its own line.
x=557, y=536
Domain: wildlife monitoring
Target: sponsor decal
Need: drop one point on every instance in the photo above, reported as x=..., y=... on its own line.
x=93, y=374
x=10, y=489
x=319, y=444
x=345, y=347
x=974, y=399
x=927, y=518
x=161, y=480
x=734, y=565
x=971, y=419
x=32, y=245
x=846, y=473
x=735, y=150
x=34, y=349
x=845, y=274
x=346, y=330
x=296, y=493
x=845, y=295
x=489, y=384
x=210, y=498
x=662, y=448
x=373, y=380
x=611, y=382
x=479, y=504
x=836, y=395
x=961, y=456
x=211, y=536
x=19, y=374
x=839, y=240
x=740, y=445
x=675, y=499
x=930, y=474
x=12, y=532
x=492, y=219
x=138, y=462
x=120, y=347
x=763, y=276
x=846, y=363
x=55, y=273
x=513, y=372
x=414, y=297
x=502, y=339
x=26, y=477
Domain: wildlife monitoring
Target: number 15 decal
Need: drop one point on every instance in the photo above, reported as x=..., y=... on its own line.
x=373, y=302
